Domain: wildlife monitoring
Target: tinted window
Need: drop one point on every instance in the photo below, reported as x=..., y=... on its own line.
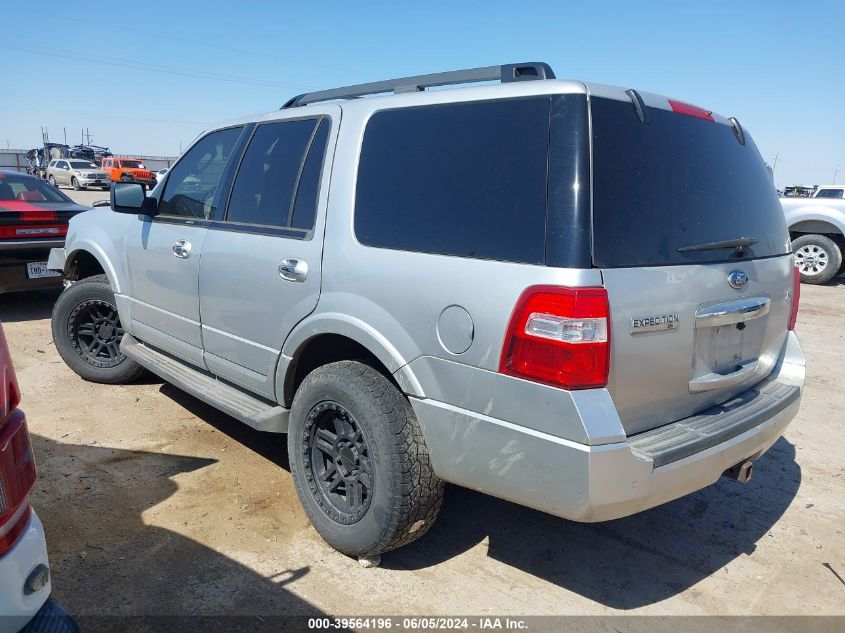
x=192, y=186
x=267, y=176
x=305, y=207
x=678, y=181
x=829, y=193
x=29, y=189
x=463, y=179
x=81, y=164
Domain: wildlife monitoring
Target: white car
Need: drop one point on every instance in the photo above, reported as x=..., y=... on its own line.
x=160, y=174
x=25, y=602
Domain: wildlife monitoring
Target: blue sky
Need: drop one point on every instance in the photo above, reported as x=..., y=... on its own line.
x=147, y=77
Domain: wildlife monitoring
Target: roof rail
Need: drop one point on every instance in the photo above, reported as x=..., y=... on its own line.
x=505, y=73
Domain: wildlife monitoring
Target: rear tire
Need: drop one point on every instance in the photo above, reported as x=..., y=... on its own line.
x=87, y=333
x=819, y=258
x=359, y=461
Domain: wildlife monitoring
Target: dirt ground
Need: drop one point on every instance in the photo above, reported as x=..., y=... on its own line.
x=155, y=503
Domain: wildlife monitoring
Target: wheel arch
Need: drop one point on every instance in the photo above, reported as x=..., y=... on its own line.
x=816, y=224
x=338, y=337
x=88, y=260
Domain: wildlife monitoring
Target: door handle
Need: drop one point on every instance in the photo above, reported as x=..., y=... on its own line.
x=182, y=249
x=293, y=269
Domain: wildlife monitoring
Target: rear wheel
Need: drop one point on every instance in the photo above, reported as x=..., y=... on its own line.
x=359, y=461
x=818, y=258
x=87, y=332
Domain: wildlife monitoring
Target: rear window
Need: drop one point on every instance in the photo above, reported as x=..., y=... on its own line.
x=677, y=181
x=29, y=189
x=464, y=179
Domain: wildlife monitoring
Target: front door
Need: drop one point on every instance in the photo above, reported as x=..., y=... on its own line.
x=163, y=254
x=260, y=269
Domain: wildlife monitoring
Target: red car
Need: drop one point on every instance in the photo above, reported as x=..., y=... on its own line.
x=33, y=219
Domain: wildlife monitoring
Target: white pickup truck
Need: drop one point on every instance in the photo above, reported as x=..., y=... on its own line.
x=817, y=228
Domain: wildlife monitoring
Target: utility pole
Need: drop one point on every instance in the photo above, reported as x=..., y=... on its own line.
x=64, y=129
x=775, y=163
x=835, y=173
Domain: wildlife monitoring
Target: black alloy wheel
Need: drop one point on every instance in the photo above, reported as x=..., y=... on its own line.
x=94, y=329
x=340, y=461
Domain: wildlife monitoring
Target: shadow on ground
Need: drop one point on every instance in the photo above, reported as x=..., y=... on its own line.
x=27, y=306
x=623, y=564
x=121, y=567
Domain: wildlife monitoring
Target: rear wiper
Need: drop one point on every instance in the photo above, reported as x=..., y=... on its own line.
x=739, y=244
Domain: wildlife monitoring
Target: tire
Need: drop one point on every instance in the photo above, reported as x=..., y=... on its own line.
x=91, y=302
x=818, y=258
x=377, y=448
x=52, y=181
x=125, y=178
x=75, y=183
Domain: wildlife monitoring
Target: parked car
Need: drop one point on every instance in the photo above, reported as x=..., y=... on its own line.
x=576, y=297
x=128, y=170
x=79, y=174
x=33, y=219
x=817, y=228
x=830, y=191
x=25, y=603
x=160, y=174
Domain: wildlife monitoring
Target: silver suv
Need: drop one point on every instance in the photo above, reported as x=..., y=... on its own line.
x=76, y=172
x=576, y=297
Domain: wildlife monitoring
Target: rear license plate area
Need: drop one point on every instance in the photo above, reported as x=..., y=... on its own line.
x=37, y=270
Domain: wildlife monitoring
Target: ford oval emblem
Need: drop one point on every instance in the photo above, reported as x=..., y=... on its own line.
x=738, y=279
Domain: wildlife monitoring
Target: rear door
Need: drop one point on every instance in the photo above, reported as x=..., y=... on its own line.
x=163, y=254
x=261, y=266
x=694, y=322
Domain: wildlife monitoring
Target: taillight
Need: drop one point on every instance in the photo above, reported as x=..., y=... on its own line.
x=27, y=231
x=690, y=110
x=796, y=297
x=17, y=476
x=560, y=337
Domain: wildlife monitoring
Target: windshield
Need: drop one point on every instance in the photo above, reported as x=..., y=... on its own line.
x=676, y=182
x=131, y=164
x=830, y=193
x=29, y=190
x=82, y=164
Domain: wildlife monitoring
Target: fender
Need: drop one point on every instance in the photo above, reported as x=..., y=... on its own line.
x=99, y=254
x=357, y=330
x=805, y=211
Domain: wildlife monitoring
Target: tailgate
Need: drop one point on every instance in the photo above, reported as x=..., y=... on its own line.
x=692, y=243
x=683, y=340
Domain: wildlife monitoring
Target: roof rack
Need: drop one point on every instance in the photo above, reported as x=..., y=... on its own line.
x=505, y=73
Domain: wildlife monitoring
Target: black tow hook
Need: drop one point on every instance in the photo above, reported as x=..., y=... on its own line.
x=741, y=472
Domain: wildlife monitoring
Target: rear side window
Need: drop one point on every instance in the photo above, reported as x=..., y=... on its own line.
x=830, y=193
x=464, y=179
x=269, y=172
x=679, y=181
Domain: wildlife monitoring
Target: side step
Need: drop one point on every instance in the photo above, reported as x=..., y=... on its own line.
x=257, y=413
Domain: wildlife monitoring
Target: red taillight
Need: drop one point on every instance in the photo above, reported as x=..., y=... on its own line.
x=560, y=337
x=690, y=110
x=17, y=467
x=29, y=231
x=17, y=476
x=796, y=297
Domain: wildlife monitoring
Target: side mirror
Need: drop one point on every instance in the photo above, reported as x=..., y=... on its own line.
x=130, y=197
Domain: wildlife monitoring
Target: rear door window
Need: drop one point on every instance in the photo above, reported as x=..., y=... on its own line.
x=676, y=182
x=464, y=179
x=269, y=175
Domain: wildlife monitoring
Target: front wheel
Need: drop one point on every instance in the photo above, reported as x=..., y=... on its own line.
x=818, y=258
x=359, y=461
x=87, y=332
x=75, y=184
x=52, y=181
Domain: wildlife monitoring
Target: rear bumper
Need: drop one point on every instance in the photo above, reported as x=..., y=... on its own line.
x=600, y=482
x=13, y=271
x=30, y=551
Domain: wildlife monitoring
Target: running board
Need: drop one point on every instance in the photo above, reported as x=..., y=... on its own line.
x=257, y=413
